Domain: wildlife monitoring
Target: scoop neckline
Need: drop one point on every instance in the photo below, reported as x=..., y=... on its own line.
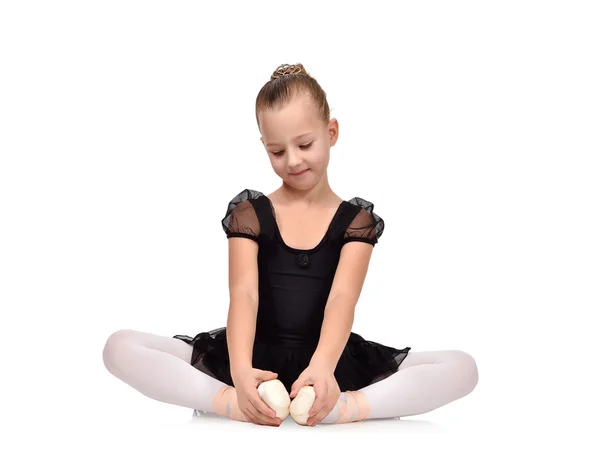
x=294, y=249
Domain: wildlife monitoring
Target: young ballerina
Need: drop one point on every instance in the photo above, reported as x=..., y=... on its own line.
x=298, y=259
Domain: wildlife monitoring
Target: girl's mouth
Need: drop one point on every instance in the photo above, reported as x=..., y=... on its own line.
x=301, y=173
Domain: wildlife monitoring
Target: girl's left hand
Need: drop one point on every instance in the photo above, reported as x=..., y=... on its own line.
x=326, y=388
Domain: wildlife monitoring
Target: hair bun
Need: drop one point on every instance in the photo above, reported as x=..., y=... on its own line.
x=287, y=69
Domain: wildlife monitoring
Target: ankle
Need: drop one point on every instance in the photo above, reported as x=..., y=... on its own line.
x=352, y=406
x=225, y=403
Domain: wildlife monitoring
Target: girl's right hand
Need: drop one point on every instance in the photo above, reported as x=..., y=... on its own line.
x=254, y=408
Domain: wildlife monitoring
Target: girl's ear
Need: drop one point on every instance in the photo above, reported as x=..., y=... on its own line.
x=333, y=130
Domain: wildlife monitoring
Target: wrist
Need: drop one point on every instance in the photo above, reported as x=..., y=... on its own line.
x=323, y=363
x=239, y=369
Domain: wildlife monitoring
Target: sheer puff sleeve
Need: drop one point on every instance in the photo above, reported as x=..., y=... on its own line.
x=366, y=226
x=240, y=218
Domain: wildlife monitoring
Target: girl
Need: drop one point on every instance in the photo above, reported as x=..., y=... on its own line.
x=297, y=263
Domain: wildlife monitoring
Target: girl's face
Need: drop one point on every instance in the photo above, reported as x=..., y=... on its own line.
x=297, y=141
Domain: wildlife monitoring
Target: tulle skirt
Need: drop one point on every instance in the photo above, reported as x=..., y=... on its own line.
x=362, y=362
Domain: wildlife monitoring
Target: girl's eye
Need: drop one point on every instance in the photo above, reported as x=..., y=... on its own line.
x=279, y=153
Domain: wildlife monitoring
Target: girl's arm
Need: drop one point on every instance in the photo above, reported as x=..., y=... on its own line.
x=343, y=297
x=243, y=305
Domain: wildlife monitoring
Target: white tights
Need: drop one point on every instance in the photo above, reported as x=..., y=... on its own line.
x=159, y=367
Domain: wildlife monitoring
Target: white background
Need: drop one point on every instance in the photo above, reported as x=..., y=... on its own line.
x=473, y=126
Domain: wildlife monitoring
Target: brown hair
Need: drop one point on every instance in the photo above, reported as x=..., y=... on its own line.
x=286, y=82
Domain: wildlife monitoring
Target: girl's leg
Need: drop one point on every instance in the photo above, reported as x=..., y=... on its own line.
x=159, y=367
x=425, y=381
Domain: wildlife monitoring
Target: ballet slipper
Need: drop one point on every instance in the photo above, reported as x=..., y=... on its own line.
x=225, y=403
x=302, y=404
x=275, y=395
x=355, y=408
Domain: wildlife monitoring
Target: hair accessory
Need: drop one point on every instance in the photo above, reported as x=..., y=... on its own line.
x=287, y=69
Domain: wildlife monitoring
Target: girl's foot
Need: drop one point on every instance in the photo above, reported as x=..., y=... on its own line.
x=302, y=404
x=352, y=406
x=275, y=395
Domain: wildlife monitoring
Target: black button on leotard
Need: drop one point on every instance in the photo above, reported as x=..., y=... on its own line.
x=303, y=259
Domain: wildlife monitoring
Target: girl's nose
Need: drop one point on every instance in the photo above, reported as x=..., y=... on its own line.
x=294, y=160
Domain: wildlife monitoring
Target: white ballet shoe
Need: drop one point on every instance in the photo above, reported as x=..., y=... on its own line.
x=275, y=395
x=302, y=404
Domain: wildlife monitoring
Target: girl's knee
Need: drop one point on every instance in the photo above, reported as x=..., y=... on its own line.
x=114, y=346
x=468, y=370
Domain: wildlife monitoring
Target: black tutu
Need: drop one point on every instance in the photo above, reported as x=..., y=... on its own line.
x=362, y=362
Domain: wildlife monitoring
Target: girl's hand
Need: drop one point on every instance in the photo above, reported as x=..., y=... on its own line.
x=326, y=388
x=246, y=384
